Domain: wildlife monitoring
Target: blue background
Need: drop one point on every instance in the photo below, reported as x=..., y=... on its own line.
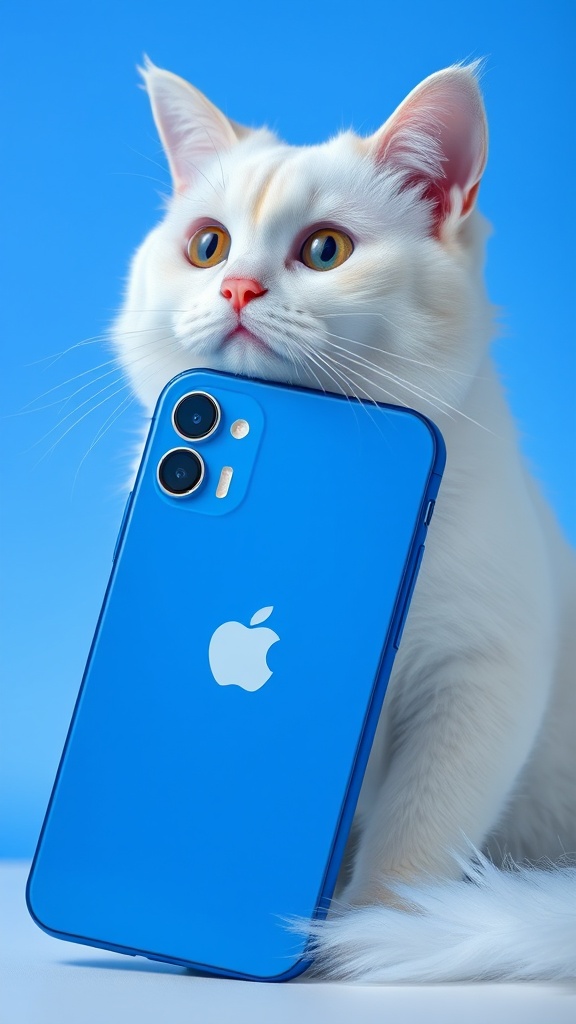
x=82, y=171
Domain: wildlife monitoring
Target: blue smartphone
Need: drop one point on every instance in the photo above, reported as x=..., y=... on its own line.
x=260, y=583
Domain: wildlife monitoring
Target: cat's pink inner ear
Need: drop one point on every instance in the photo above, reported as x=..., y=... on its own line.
x=191, y=128
x=438, y=137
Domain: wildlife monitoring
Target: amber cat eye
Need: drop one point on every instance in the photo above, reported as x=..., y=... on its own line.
x=208, y=246
x=326, y=249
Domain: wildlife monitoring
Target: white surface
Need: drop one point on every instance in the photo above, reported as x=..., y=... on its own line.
x=45, y=981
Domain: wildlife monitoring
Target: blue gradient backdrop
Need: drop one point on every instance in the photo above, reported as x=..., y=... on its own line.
x=82, y=169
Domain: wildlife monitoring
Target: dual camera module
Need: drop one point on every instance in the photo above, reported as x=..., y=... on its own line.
x=181, y=470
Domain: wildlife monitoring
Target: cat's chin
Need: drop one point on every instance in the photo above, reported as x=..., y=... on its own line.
x=249, y=356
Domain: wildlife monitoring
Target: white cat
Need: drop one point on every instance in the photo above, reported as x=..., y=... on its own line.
x=356, y=266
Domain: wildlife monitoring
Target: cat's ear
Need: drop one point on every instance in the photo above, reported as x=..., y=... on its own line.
x=438, y=137
x=191, y=128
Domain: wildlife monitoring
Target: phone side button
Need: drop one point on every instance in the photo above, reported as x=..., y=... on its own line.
x=408, y=597
x=121, y=530
x=429, y=512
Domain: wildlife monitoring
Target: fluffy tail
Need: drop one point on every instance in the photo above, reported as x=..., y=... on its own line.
x=515, y=924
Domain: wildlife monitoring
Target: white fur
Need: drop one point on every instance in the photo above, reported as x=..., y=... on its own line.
x=475, y=743
x=450, y=933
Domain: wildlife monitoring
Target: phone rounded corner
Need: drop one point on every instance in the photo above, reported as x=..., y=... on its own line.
x=298, y=968
x=439, y=449
x=438, y=443
x=28, y=897
x=30, y=906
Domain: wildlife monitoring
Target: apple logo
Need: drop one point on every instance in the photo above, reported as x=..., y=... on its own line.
x=237, y=653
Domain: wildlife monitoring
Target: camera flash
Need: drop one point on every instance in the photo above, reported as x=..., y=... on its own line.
x=224, y=482
x=239, y=428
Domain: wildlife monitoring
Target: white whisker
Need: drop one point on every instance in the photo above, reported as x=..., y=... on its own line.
x=31, y=406
x=126, y=402
x=414, y=389
x=330, y=367
x=76, y=422
x=419, y=392
x=396, y=355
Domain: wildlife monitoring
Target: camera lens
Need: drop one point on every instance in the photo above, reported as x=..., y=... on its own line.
x=196, y=415
x=180, y=471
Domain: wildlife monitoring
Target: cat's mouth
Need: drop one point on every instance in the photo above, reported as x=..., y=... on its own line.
x=243, y=336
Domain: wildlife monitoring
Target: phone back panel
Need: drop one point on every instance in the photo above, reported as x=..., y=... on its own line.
x=191, y=817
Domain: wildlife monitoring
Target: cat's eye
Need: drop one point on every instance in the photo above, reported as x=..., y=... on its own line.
x=326, y=249
x=208, y=246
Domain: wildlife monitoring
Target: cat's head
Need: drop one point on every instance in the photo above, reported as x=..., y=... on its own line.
x=353, y=266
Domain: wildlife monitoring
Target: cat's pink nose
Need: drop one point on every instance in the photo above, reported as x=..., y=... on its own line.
x=240, y=291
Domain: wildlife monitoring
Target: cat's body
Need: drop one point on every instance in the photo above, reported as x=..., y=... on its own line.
x=475, y=742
